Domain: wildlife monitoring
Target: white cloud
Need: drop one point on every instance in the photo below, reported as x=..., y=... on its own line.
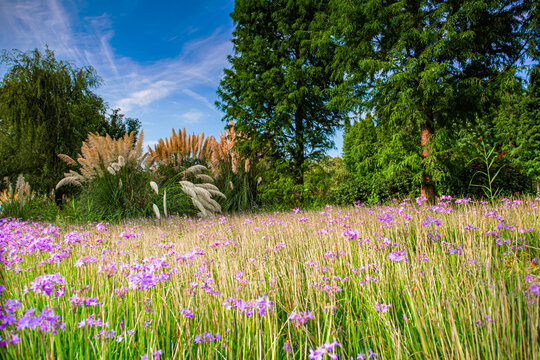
x=153, y=92
x=192, y=116
x=127, y=83
x=203, y=100
x=180, y=87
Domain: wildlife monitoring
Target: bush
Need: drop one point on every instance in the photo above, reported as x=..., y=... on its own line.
x=114, y=196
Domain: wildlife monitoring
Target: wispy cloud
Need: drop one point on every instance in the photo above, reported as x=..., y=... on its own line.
x=128, y=84
x=153, y=92
x=203, y=100
x=192, y=116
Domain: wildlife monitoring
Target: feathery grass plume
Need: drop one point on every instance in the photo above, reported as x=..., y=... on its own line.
x=20, y=193
x=181, y=148
x=201, y=194
x=165, y=202
x=156, y=211
x=223, y=154
x=234, y=172
x=155, y=187
x=103, y=152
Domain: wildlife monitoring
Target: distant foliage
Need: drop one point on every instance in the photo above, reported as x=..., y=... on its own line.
x=48, y=106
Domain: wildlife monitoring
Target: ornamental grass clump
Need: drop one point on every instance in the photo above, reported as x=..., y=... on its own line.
x=181, y=150
x=113, y=180
x=20, y=201
x=236, y=175
x=201, y=193
x=101, y=154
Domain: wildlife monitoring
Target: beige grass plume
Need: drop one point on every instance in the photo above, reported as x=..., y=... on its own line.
x=103, y=152
x=179, y=148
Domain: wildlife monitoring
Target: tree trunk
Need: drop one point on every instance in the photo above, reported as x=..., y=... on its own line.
x=427, y=187
x=537, y=187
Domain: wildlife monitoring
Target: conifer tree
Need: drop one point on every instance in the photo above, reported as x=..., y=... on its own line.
x=276, y=89
x=427, y=64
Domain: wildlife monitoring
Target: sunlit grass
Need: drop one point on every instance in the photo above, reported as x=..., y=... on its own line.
x=456, y=293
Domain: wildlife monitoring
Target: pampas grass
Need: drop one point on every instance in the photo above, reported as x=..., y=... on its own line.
x=181, y=149
x=103, y=152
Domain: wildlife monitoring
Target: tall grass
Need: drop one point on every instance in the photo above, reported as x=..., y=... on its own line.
x=460, y=279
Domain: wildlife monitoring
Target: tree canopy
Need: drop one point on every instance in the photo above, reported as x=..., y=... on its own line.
x=426, y=65
x=277, y=88
x=48, y=107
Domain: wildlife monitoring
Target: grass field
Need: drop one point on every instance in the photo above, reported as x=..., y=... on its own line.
x=458, y=280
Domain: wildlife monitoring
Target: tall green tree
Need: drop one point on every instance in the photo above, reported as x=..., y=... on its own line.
x=48, y=107
x=276, y=89
x=424, y=64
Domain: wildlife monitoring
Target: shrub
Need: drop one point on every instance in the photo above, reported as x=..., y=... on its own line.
x=20, y=201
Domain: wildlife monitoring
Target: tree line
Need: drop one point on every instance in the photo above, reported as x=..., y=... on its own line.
x=433, y=96
x=424, y=79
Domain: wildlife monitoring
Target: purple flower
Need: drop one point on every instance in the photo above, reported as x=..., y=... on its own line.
x=84, y=301
x=84, y=260
x=421, y=199
x=301, y=318
x=431, y=220
x=45, y=284
x=398, y=256
x=325, y=349
x=143, y=280
x=382, y=307
x=186, y=313
x=46, y=321
x=101, y=227
x=350, y=233
x=206, y=337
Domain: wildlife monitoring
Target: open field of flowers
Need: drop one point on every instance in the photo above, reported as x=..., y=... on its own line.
x=403, y=281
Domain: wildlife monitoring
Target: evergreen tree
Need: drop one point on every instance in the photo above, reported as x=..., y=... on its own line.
x=528, y=130
x=424, y=64
x=276, y=90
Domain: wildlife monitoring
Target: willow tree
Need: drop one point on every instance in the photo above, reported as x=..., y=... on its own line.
x=47, y=107
x=276, y=89
x=426, y=65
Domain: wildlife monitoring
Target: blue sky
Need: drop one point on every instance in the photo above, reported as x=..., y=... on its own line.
x=161, y=61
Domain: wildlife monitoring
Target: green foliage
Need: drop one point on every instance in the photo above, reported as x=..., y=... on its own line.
x=239, y=188
x=124, y=194
x=382, y=164
x=323, y=180
x=425, y=64
x=117, y=125
x=40, y=207
x=527, y=149
x=487, y=158
x=48, y=107
x=276, y=90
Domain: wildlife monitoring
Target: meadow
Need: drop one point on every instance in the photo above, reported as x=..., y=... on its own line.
x=406, y=280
